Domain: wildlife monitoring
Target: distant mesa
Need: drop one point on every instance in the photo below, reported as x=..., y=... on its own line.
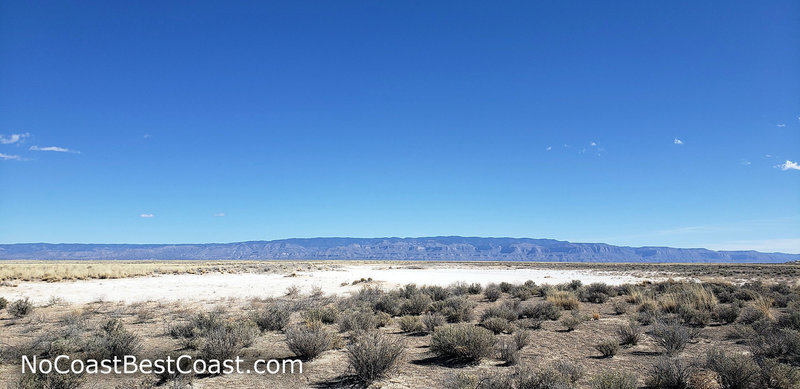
x=440, y=248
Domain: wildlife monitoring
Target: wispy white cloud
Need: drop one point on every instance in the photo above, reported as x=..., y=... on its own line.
x=13, y=138
x=219, y=214
x=7, y=157
x=593, y=144
x=782, y=125
x=789, y=165
x=677, y=141
x=146, y=215
x=147, y=136
x=549, y=148
x=54, y=148
x=745, y=162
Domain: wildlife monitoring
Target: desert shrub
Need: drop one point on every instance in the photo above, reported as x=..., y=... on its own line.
x=496, y=325
x=564, y=300
x=506, y=287
x=607, y=348
x=328, y=314
x=790, y=319
x=629, y=334
x=492, y=293
x=764, y=305
x=540, y=311
x=735, y=371
x=390, y=304
x=648, y=306
x=372, y=354
x=462, y=341
x=620, y=307
x=521, y=338
x=455, y=309
x=571, y=322
x=433, y=320
x=672, y=337
x=750, y=315
x=726, y=313
x=779, y=375
x=416, y=304
x=598, y=293
x=309, y=340
x=52, y=380
x=646, y=318
x=772, y=342
x=273, y=317
x=475, y=288
x=292, y=291
x=614, y=380
x=485, y=380
x=3, y=303
x=670, y=373
x=502, y=311
x=509, y=352
x=459, y=288
x=410, y=324
x=694, y=317
x=531, y=323
x=382, y=319
x=557, y=376
x=358, y=321
x=570, y=370
x=523, y=292
x=225, y=342
x=435, y=292
x=113, y=340
x=20, y=308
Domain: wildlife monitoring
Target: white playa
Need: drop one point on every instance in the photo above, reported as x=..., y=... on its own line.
x=210, y=287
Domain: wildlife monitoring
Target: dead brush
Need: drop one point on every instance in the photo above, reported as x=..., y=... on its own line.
x=764, y=305
x=563, y=299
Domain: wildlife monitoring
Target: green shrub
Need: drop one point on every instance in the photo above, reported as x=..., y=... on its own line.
x=273, y=317
x=358, y=321
x=372, y=354
x=462, y=341
x=735, y=371
x=540, y=311
x=416, y=304
x=614, y=380
x=433, y=320
x=435, y=292
x=501, y=311
x=410, y=324
x=598, y=293
x=496, y=325
x=454, y=309
x=309, y=340
x=20, y=308
x=390, y=304
x=492, y=293
x=608, y=348
x=670, y=373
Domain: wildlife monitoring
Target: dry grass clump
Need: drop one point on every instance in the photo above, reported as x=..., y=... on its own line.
x=564, y=300
x=371, y=355
x=462, y=341
x=309, y=340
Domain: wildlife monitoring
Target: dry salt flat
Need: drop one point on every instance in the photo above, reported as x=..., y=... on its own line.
x=212, y=287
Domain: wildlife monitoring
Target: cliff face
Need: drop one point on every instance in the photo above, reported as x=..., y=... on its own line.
x=433, y=248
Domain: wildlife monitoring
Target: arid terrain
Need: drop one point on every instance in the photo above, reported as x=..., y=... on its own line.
x=410, y=324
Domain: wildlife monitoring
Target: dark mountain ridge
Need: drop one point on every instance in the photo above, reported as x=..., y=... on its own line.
x=438, y=248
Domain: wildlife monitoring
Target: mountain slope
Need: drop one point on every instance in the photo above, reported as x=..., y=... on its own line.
x=431, y=248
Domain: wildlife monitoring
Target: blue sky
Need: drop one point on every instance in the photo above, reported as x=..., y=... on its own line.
x=635, y=123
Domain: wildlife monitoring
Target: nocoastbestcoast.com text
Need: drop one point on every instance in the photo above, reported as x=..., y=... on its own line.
x=184, y=364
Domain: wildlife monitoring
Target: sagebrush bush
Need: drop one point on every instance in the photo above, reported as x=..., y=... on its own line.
x=475, y=288
x=113, y=340
x=497, y=325
x=435, y=292
x=629, y=334
x=222, y=343
x=572, y=321
x=620, y=307
x=726, y=313
x=502, y=311
x=433, y=320
x=614, y=380
x=462, y=341
x=410, y=324
x=371, y=355
x=455, y=309
x=41, y=380
x=309, y=340
x=390, y=304
x=564, y=300
x=522, y=338
x=541, y=311
x=21, y=307
x=508, y=350
x=694, y=317
x=492, y=293
x=672, y=337
x=607, y=348
x=670, y=373
x=416, y=304
x=358, y=321
x=750, y=315
x=273, y=317
x=598, y=293
x=3, y=303
x=736, y=371
x=328, y=314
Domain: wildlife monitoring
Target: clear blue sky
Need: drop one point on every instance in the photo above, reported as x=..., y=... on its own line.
x=638, y=123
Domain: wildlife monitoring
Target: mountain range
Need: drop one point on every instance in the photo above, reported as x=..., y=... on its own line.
x=438, y=248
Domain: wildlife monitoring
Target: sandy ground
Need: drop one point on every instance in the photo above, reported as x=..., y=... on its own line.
x=215, y=286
